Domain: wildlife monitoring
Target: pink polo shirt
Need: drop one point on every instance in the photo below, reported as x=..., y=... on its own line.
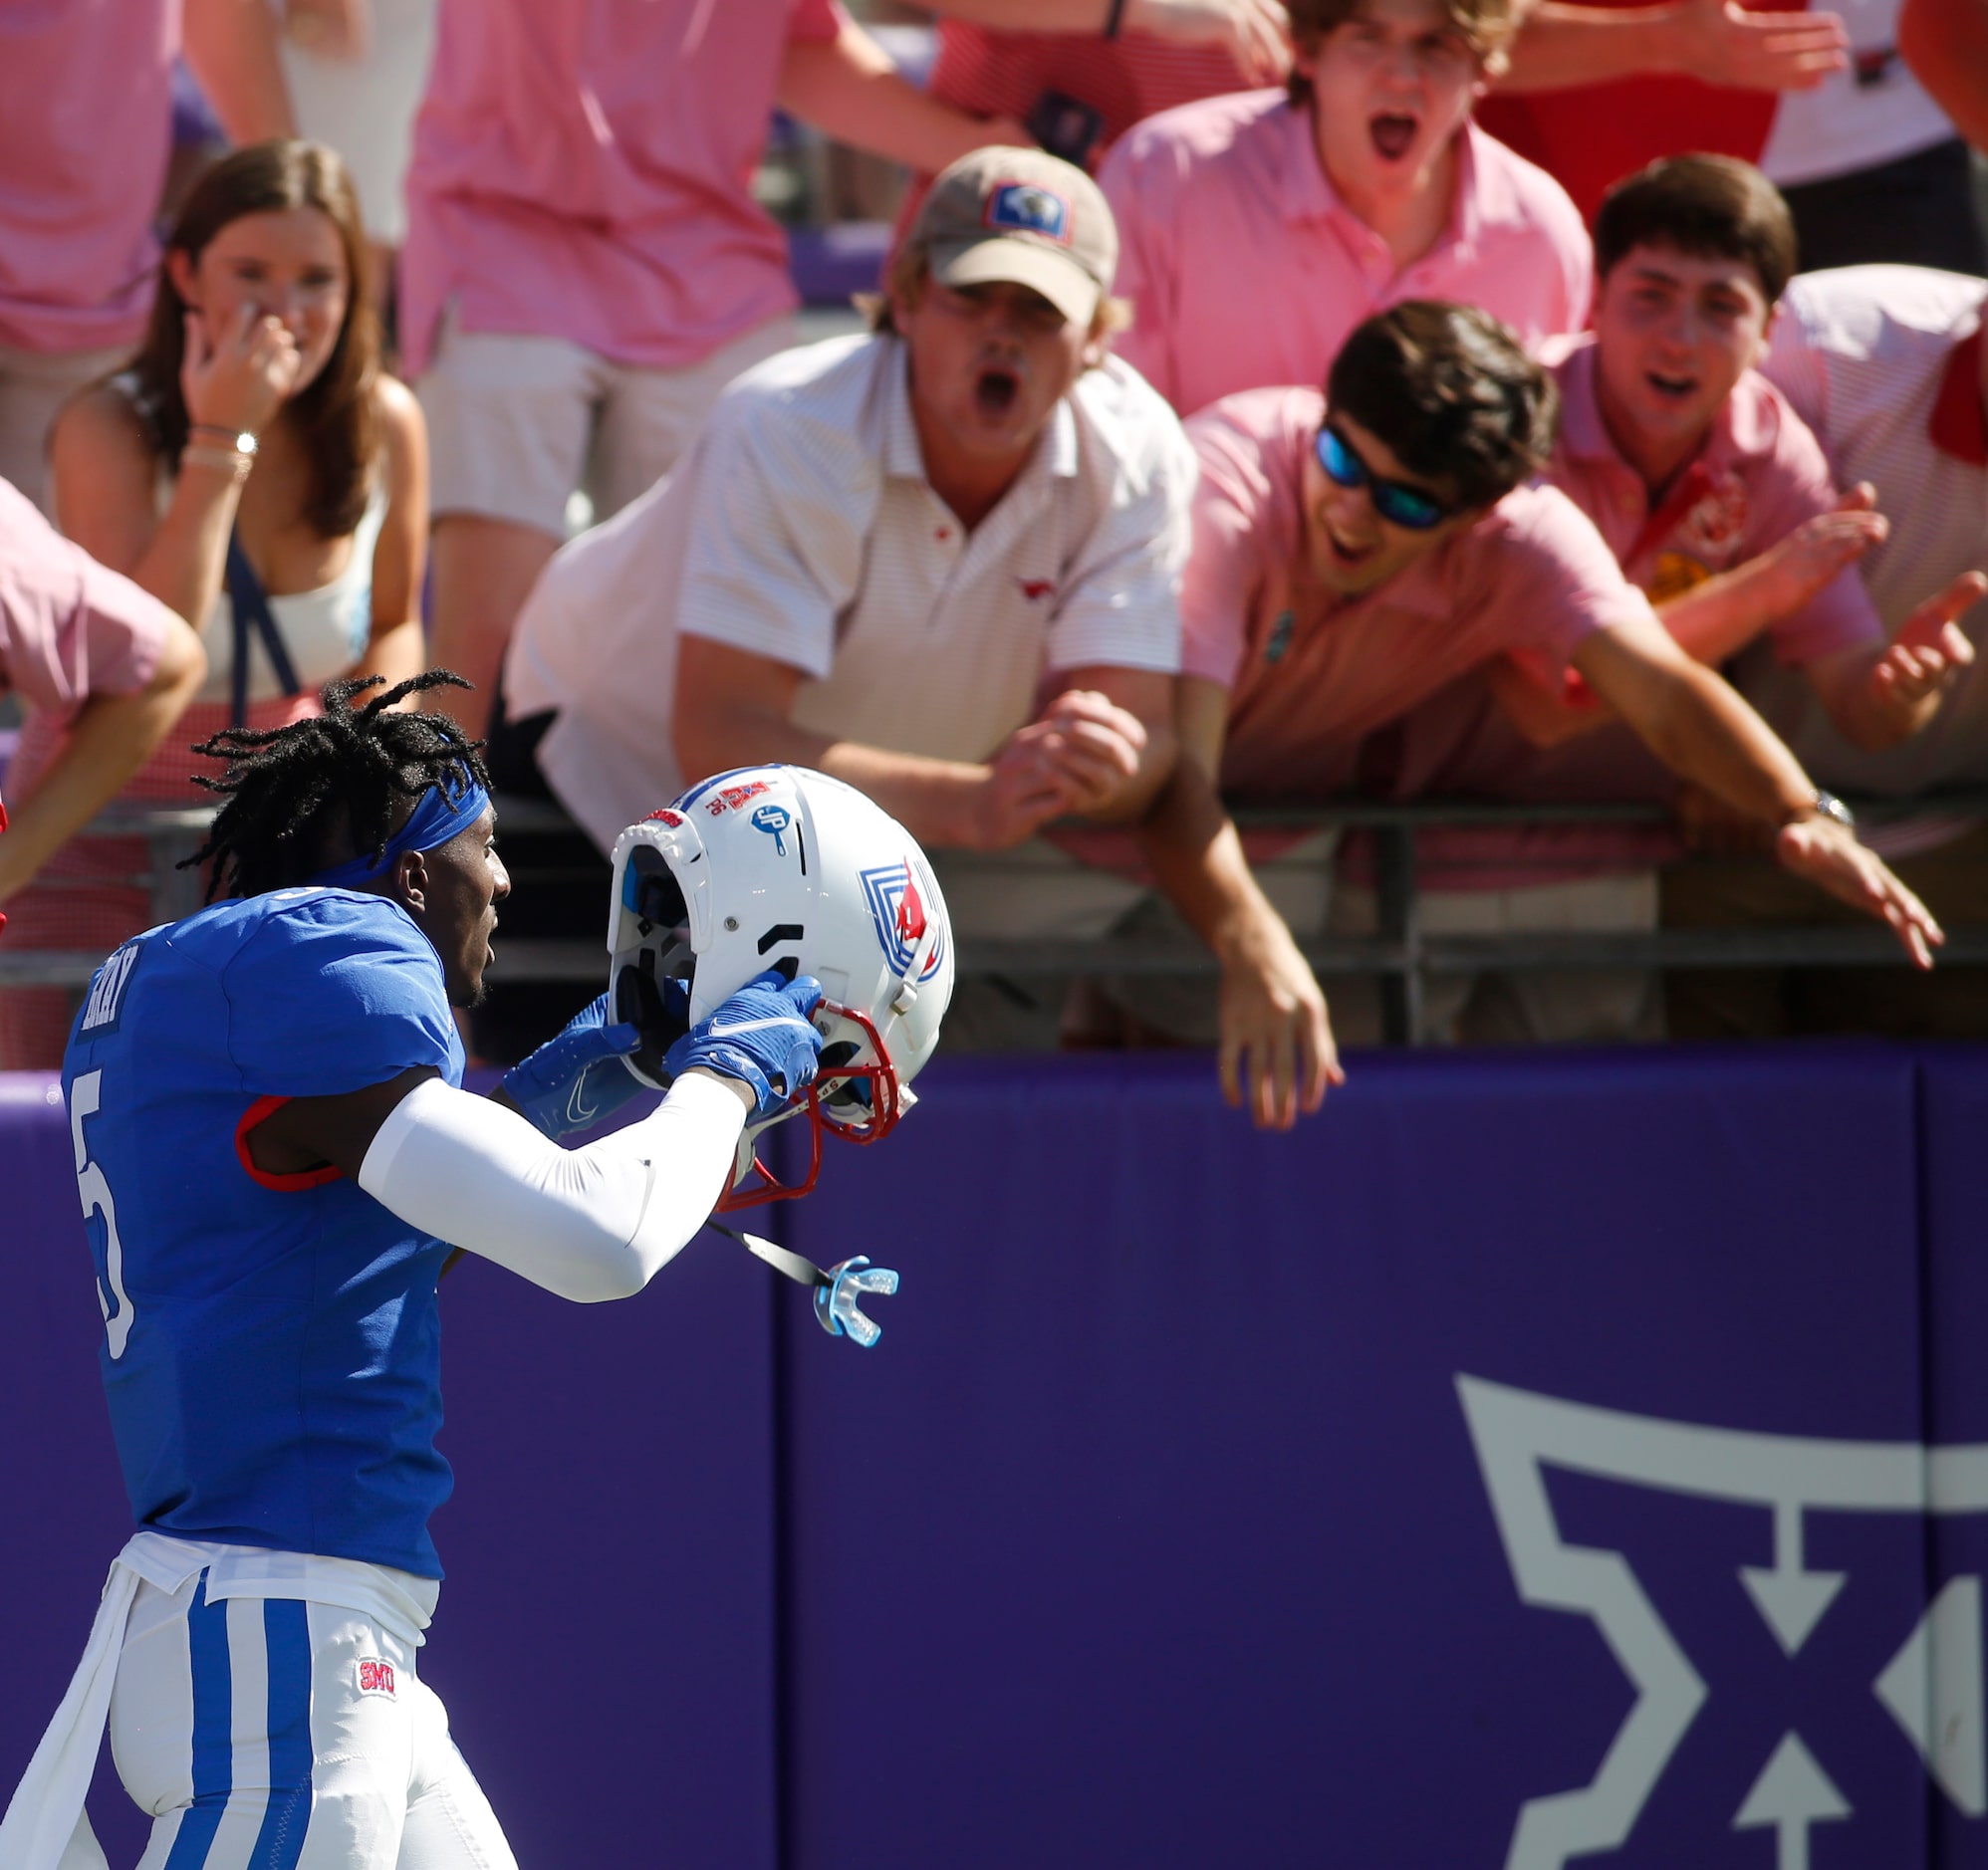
x=69, y=626
x=1760, y=475
x=1309, y=673
x=581, y=171
x=84, y=141
x=1246, y=268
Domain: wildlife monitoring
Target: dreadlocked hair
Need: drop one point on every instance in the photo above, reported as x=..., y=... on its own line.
x=285, y=786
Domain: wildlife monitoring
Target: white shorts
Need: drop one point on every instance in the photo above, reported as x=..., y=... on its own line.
x=272, y=1734
x=517, y=422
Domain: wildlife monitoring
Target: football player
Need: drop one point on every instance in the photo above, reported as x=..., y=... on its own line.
x=275, y=1155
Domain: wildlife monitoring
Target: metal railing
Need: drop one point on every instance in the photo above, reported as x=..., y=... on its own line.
x=1402, y=953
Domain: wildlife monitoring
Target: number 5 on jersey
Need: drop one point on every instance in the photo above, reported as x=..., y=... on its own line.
x=86, y=1097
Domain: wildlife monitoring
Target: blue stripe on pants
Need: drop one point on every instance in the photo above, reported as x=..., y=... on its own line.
x=213, y=1730
x=286, y=1625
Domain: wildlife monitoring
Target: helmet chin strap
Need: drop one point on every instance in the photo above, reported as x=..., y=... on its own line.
x=837, y=1290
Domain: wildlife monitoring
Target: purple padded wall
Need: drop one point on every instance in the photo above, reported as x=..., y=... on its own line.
x=1153, y=1532
x=1188, y=1511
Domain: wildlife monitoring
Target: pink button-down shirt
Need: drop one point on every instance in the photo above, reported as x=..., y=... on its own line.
x=1246, y=268
x=84, y=140
x=1309, y=673
x=1759, y=476
x=69, y=626
x=581, y=171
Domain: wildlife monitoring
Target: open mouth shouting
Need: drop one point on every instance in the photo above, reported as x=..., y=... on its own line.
x=996, y=390
x=1673, y=390
x=1393, y=134
x=1347, y=557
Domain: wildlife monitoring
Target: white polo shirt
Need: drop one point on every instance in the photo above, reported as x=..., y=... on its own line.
x=800, y=528
x=1883, y=364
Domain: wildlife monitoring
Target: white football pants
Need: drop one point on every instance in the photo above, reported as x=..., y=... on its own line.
x=271, y=1734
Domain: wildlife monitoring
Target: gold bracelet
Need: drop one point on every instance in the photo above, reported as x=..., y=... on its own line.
x=236, y=463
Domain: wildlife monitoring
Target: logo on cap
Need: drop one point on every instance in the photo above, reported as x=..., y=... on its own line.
x=1029, y=208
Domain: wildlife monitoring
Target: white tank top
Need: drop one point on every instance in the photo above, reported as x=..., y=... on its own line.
x=325, y=631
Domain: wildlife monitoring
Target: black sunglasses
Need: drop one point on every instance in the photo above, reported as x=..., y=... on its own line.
x=1394, y=501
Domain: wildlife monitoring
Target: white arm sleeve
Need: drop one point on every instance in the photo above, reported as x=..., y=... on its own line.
x=587, y=1223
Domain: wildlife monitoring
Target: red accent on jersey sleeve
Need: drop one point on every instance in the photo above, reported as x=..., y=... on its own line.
x=257, y=1112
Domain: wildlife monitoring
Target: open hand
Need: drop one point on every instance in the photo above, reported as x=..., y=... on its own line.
x=239, y=376
x=1930, y=649
x=1816, y=551
x=1277, y=1049
x=1721, y=43
x=1829, y=857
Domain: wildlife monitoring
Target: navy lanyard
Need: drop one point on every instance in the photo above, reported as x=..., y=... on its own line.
x=250, y=604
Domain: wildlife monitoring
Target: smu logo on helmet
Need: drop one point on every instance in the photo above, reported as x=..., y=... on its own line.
x=897, y=911
x=1029, y=208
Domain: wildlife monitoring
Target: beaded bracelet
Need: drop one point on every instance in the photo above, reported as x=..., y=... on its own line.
x=234, y=460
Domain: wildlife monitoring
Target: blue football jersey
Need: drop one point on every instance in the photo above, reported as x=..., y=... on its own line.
x=272, y=1342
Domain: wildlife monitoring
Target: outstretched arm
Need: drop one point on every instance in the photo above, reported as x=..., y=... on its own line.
x=1705, y=733
x=1275, y=1036
x=587, y=1223
x=1715, y=41
x=1256, y=33
x=848, y=89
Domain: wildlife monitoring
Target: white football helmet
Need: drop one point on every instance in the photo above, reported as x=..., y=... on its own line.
x=779, y=866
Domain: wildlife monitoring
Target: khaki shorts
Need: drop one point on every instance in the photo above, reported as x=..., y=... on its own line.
x=1519, y=1006
x=517, y=423
x=34, y=384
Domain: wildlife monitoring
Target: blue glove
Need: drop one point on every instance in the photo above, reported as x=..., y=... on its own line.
x=762, y=1038
x=578, y=1078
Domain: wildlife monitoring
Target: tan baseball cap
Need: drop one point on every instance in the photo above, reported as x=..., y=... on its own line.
x=1024, y=217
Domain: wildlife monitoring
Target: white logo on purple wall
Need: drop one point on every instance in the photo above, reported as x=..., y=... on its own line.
x=1932, y=1686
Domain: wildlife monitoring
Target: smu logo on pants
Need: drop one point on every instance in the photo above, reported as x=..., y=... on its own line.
x=375, y=1677
x=1537, y=1454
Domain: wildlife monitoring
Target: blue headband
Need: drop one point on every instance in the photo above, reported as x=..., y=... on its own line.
x=433, y=821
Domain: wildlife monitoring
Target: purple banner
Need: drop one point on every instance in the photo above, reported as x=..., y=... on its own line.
x=1551, y=1459
x=1498, y=1471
